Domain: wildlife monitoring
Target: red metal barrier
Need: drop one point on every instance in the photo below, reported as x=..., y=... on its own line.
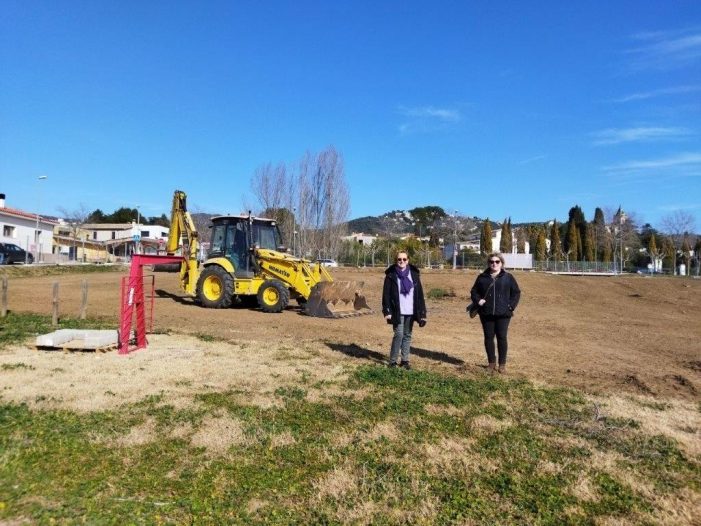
x=133, y=301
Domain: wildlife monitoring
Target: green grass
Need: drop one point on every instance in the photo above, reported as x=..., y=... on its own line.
x=439, y=293
x=18, y=327
x=483, y=451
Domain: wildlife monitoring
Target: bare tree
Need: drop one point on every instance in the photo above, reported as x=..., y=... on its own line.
x=676, y=225
x=310, y=202
x=324, y=202
x=622, y=235
x=269, y=184
x=76, y=219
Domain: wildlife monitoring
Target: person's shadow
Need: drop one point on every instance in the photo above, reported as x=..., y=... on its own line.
x=355, y=351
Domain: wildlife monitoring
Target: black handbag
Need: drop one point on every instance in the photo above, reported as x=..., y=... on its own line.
x=472, y=310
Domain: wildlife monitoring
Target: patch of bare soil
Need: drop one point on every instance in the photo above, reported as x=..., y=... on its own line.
x=604, y=335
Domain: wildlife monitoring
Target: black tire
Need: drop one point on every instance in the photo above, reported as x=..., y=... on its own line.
x=215, y=288
x=273, y=296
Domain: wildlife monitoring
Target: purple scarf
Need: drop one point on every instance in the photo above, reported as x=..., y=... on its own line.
x=405, y=283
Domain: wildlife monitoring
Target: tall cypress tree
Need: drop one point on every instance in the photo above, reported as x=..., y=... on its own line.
x=599, y=233
x=652, y=246
x=589, y=242
x=521, y=241
x=486, y=238
x=540, y=246
x=504, y=238
x=571, y=249
x=510, y=245
x=555, y=244
x=607, y=254
x=532, y=238
x=668, y=249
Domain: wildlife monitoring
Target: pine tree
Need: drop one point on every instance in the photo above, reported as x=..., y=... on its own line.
x=486, y=238
x=555, y=245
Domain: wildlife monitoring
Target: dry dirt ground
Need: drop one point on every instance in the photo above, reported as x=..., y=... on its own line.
x=603, y=335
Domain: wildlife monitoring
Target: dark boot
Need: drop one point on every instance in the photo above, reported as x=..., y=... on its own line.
x=405, y=365
x=491, y=368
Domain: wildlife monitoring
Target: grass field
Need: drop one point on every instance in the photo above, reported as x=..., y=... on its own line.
x=369, y=446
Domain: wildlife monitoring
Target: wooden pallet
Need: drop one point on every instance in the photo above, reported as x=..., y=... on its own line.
x=77, y=346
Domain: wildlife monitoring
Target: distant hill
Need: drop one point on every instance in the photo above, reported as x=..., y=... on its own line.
x=401, y=222
x=396, y=222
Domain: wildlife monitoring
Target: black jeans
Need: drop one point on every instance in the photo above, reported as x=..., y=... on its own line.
x=499, y=326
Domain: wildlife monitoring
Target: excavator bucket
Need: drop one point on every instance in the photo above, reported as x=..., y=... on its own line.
x=337, y=299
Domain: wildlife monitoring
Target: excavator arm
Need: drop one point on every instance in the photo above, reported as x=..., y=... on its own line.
x=183, y=233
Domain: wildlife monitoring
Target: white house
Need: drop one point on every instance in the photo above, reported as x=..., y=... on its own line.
x=363, y=239
x=31, y=231
x=124, y=239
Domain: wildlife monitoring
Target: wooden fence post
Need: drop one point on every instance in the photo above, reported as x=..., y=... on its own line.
x=54, y=318
x=84, y=299
x=3, y=298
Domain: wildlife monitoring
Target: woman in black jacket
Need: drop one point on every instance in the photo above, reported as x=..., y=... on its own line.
x=403, y=303
x=497, y=294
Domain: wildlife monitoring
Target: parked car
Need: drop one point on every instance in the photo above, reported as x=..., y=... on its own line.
x=11, y=253
x=328, y=262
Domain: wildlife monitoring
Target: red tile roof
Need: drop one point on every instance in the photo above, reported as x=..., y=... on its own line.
x=21, y=213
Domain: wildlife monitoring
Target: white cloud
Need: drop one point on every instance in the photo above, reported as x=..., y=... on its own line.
x=667, y=49
x=682, y=161
x=431, y=112
x=427, y=119
x=658, y=93
x=641, y=134
x=674, y=208
x=533, y=159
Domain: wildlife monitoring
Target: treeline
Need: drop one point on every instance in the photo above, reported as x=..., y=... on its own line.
x=125, y=215
x=617, y=239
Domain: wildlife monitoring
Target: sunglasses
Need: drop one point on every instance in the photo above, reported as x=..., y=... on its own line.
x=494, y=261
x=402, y=259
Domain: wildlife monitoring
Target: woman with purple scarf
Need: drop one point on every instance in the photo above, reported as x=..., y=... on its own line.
x=402, y=304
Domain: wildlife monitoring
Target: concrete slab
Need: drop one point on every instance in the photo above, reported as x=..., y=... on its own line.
x=83, y=338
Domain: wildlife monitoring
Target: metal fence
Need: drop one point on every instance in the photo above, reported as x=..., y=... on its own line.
x=580, y=267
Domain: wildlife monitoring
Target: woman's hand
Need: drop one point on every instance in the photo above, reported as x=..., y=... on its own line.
x=388, y=317
x=481, y=302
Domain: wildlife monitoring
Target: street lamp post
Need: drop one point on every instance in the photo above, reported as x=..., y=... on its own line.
x=137, y=244
x=36, y=229
x=455, y=240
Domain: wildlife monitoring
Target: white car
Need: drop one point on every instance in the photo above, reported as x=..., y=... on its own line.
x=327, y=262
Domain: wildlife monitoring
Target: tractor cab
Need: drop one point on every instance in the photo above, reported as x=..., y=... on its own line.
x=233, y=237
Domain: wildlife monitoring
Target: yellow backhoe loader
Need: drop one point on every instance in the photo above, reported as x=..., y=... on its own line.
x=246, y=259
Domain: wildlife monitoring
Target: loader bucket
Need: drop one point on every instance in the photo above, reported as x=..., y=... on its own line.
x=337, y=299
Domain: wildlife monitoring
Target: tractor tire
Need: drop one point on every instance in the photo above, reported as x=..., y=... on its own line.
x=215, y=288
x=273, y=296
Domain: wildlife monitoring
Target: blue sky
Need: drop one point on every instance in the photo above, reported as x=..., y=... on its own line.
x=493, y=109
